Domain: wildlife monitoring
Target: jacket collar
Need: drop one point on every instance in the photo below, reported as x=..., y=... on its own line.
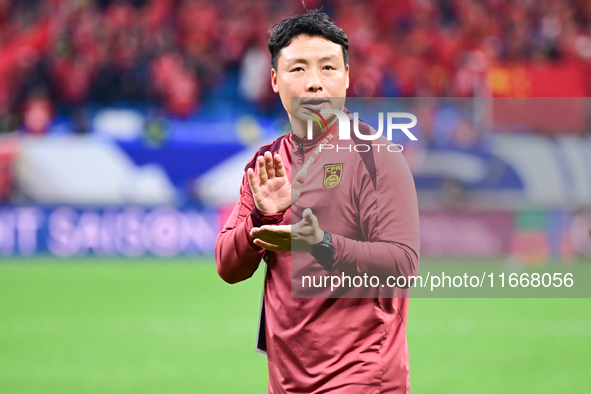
x=316, y=138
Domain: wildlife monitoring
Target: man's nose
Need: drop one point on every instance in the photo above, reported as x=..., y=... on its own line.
x=313, y=84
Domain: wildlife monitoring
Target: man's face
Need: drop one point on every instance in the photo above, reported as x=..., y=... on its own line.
x=310, y=67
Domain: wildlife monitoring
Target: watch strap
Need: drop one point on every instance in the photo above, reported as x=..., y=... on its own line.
x=323, y=252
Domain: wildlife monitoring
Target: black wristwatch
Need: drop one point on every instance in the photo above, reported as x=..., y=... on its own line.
x=323, y=252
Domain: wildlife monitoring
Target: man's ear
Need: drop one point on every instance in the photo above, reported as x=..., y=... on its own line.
x=347, y=81
x=274, y=80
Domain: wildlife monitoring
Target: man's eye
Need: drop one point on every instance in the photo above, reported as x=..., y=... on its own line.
x=329, y=68
x=297, y=69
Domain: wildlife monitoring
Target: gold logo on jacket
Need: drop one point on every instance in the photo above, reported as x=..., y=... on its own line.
x=332, y=175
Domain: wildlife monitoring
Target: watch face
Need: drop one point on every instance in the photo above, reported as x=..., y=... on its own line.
x=322, y=252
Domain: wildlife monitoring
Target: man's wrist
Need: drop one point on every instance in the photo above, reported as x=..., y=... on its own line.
x=320, y=237
x=260, y=219
x=323, y=252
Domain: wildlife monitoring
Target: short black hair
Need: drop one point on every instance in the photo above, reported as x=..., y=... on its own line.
x=311, y=23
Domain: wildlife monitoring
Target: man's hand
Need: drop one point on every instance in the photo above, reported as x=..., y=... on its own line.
x=297, y=237
x=271, y=190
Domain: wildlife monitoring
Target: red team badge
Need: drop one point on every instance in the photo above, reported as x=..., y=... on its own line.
x=332, y=175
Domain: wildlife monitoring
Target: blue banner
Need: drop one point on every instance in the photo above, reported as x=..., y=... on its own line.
x=131, y=231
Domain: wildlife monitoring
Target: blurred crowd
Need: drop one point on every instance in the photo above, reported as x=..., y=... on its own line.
x=60, y=56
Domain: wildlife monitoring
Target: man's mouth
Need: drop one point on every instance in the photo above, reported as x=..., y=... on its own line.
x=314, y=101
x=315, y=104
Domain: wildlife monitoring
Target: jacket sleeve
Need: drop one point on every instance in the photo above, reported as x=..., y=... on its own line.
x=236, y=256
x=389, y=221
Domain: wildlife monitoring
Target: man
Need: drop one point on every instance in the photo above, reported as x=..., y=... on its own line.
x=344, y=212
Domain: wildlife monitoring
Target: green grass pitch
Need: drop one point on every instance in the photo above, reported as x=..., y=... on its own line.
x=157, y=326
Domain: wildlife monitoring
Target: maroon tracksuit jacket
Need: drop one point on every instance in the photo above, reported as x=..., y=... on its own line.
x=334, y=345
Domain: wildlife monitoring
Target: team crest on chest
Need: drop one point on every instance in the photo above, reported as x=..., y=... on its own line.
x=332, y=175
